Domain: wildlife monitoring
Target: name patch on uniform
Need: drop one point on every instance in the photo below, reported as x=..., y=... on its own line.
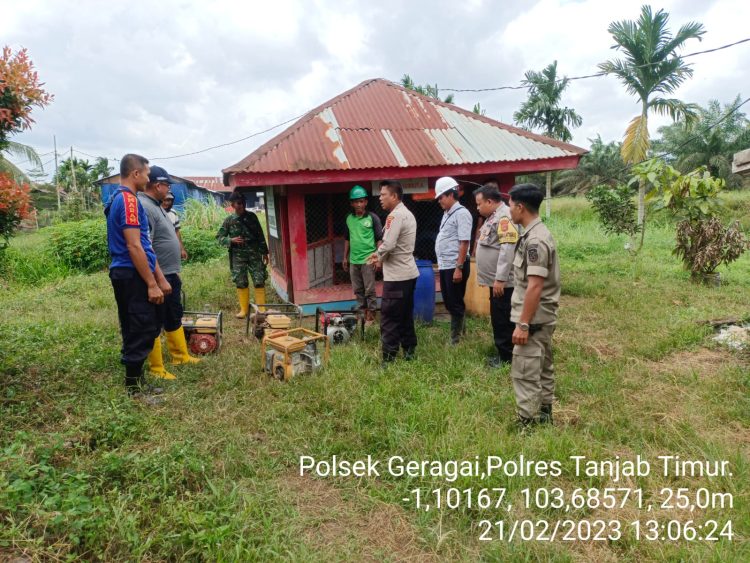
x=532, y=253
x=131, y=209
x=506, y=232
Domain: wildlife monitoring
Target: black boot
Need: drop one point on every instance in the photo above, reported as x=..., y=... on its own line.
x=524, y=424
x=133, y=378
x=457, y=324
x=496, y=362
x=388, y=358
x=545, y=414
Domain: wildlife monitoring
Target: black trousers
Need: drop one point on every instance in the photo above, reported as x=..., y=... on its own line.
x=453, y=293
x=397, y=316
x=140, y=321
x=502, y=327
x=173, y=304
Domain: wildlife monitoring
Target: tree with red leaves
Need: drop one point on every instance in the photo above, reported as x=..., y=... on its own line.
x=20, y=93
x=15, y=205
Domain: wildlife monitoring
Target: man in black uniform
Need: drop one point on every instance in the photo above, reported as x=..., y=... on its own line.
x=137, y=280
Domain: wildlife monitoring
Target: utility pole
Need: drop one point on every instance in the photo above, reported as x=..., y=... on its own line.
x=57, y=178
x=73, y=171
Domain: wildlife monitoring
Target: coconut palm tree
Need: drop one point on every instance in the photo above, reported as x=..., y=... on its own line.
x=18, y=150
x=650, y=69
x=542, y=110
x=427, y=90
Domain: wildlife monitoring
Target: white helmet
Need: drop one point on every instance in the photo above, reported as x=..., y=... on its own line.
x=444, y=184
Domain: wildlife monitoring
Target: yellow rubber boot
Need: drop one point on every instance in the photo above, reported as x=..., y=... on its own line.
x=156, y=363
x=178, y=350
x=243, y=294
x=260, y=295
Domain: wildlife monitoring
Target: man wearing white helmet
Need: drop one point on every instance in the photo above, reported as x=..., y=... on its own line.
x=452, y=249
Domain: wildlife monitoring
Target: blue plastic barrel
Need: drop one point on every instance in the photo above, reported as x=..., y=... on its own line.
x=424, y=293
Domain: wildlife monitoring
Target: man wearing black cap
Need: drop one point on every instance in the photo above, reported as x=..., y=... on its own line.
x=168, y=252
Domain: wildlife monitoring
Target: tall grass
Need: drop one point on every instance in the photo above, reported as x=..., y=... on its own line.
x=205, y=216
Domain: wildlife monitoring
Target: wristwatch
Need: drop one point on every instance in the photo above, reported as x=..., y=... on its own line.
x=459, y=266
x=524, y=326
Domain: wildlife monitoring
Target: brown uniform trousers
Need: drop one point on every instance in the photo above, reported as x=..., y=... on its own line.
x=533, y=372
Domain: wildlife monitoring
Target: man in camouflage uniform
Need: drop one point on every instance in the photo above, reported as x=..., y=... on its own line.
x=248, y=252
x=536, y=273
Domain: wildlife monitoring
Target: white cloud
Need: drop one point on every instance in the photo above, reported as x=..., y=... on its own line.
x=171, y=77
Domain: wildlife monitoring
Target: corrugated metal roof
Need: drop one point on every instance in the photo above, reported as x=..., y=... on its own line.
x=213, y=183
x=379, y=124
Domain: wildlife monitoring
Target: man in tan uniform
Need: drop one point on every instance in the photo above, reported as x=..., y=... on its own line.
x=495, y=250
x=536, y=272
x=396, y=256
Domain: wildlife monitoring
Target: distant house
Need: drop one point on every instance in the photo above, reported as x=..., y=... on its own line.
x=183, y=190
x=741, y=163
x=215, y=184
x=375, y=131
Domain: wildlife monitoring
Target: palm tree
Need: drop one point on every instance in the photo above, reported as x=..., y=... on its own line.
x=542, y=110
x=20, y=151
x=426, y=90
x=602, y=165
x=711, y=142
x=101, y=168
x=650, y=70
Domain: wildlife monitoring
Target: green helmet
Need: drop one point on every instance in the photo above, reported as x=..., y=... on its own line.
x=357, y=192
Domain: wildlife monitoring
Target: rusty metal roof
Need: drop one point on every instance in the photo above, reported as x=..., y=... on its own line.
x=213, y=183
x=379, y=124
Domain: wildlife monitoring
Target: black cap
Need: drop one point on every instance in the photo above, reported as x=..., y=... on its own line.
x=158, y=174
x=237, y=196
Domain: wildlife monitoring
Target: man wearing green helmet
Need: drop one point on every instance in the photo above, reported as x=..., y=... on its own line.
x=364, y=232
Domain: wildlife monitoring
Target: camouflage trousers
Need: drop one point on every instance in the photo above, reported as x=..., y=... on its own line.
x=242, y=265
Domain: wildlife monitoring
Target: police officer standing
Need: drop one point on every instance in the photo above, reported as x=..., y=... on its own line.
x=168, y=248
x=248, y=252
x=496, y=246
x=137, y=280
x=536, y=272
x=396, y=256
x=452, y=250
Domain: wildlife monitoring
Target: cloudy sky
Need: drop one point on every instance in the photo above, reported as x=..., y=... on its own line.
x=176, y=76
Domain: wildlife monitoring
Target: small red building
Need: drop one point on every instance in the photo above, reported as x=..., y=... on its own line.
x=377, y=130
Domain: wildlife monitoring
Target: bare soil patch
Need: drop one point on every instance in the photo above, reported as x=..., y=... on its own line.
x=332, y=523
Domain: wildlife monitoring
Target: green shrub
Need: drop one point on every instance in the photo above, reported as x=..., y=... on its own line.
x=81, y=245
x=200, y=245
x=614, y=207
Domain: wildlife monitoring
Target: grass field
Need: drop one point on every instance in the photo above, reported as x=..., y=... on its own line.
x=213, y=473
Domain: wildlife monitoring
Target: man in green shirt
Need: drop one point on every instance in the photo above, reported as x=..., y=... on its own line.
x=364, y=232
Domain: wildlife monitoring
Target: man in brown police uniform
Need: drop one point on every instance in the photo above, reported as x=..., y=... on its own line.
x=536, y=272
x=496, y=247
x=396, y=256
